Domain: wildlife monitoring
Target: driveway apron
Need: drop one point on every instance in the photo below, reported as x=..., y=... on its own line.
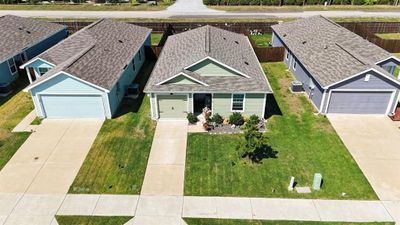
x=34, y=182
x=374, y=142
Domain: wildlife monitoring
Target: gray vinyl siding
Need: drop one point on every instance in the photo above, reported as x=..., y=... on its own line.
x=304, y=76
x=276, y=42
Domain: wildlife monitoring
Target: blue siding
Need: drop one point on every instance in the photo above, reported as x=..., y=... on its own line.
x=46, y=44
x=31, y=52
x=375, y=82
x=128, y=76
x=64, y=84
x=5, y=74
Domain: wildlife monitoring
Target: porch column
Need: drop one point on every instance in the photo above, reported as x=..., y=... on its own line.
x=29, y=74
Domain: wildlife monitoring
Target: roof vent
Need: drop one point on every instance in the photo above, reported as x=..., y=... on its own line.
x=247, y=63
x=106, y=50
x=304, y=42
x=224, y=38
x=326, y=47
x=236, y=42
x=284, y=35
x=28, y=32
x=120, y=41
x=20, y=28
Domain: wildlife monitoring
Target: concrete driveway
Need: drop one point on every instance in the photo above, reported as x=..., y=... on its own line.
x=49, y=160
x=374, y=142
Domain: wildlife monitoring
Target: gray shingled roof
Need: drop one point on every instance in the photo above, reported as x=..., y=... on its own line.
x=232, y=49
x=331, y=53
x=18, y=33
x=98, y=53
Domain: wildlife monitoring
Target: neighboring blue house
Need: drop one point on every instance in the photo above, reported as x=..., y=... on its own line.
x=22, y=39
x=87, y=74
x=340, y=71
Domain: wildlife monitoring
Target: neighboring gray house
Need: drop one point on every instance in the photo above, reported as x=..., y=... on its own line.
x=340, y=71
x=209, y=67
x=87, y=74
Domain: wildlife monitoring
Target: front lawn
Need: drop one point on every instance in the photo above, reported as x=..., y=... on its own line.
x=262, y=41
x=117, y=160
x=270, y=222
x=13, y=109
x=305, y=144
x=92, y=220
x=390, y=36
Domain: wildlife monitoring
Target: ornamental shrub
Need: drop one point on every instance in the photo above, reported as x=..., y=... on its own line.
x=192, y=118
x=216, y=118
x=236, y=118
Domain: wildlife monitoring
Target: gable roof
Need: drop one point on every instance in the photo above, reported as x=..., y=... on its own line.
x=230, y=49
x=331, y=53
x=18, y=33
x=97, y=54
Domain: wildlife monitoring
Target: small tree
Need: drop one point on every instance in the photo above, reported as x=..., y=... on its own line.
x=254, y=146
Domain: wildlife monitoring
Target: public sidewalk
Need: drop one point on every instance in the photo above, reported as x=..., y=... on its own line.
x=172, y=208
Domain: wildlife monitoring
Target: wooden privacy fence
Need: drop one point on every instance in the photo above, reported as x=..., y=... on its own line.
x=270, y=54
x=366, y=30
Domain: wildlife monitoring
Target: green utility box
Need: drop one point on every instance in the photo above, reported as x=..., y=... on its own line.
x=317, y=181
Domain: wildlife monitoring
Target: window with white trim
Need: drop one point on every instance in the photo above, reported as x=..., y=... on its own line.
x=294, y=65
x=287, y=55
x=12, y=66
x=43, y=70
x=237, y=102
x=140, y=54
x=133, y=64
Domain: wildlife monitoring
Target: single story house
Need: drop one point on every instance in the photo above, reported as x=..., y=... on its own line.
x=340, y=71
x=87, y=74
x=22, y=39
x=207, y=67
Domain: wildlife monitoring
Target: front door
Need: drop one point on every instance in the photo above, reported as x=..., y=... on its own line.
x=200, y=101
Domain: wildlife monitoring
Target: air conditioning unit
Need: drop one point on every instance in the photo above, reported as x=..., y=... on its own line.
x=297, y=86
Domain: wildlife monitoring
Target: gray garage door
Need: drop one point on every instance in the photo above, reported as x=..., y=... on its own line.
x=172, y=106
x=359, y=102
x=72, y=106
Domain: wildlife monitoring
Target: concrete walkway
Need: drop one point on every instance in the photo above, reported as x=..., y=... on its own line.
x=161, y=197
x=169, y=210
x=25, y=124
x=34, y=182
x=165, y=171
x=194, y=6
x=374, y=143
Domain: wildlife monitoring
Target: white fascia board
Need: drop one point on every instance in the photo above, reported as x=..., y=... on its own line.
x=185, y=75
x=218, y=62
x=72, y=76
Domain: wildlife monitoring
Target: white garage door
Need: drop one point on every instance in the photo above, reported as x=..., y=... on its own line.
x=72, y=106
x=359, y=102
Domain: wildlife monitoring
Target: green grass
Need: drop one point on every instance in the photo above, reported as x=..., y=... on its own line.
x=270, y=222
x=156, y=38
x=12, y=110
x=87, y=7
x=92, y=220
x=37, y=121
x=390, y=36
x=258, y=8
x=306, y=144
x=117, y=160
x=262, y=40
